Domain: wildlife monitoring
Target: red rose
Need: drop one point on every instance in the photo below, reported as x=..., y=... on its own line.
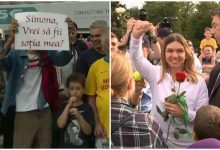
x=181, y=76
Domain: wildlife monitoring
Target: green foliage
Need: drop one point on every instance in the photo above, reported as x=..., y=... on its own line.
x=192, y=17
x=116, y=24
x=199, y=20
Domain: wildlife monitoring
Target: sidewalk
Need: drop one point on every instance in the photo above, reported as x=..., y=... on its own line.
x=1, y=141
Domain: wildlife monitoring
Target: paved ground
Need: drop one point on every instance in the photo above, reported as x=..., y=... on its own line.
x=1, y=141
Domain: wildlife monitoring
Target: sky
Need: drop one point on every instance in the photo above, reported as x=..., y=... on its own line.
x=140, y=3
x=133, y=3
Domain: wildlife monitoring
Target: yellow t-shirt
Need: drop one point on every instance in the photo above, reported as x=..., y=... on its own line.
x=97, y=83
x=210, y=41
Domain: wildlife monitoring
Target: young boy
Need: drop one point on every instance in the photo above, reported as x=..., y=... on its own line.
x=208, y=40
x=206, y=127
x=75, y=117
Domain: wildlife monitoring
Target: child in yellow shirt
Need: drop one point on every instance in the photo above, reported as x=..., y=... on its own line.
x=208, y=40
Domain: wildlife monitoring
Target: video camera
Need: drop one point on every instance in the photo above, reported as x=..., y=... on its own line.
x=165, y=21
x=143, y=15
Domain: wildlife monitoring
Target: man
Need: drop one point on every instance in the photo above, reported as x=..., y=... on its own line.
x=214, y=78
x=86, y=59
x=114, y=43
x=33, y=89
x=162, y=33
x=76, y=44
x=97, y=87
x=76, y=48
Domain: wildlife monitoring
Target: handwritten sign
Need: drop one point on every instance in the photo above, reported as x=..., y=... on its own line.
x=41, y=31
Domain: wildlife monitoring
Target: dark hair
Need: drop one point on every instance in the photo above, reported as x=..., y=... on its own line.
x=76, y=77
x=113, y=35
x=209, y=46
x=71, y=24
x=216, y=12
x=89, y=38
x=207, y=122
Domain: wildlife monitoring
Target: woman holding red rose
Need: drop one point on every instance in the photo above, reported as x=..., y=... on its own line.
x=175, y=57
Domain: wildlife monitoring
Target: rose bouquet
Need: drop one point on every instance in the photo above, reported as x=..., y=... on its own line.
x=177, y=98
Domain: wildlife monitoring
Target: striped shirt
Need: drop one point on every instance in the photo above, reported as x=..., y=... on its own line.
x=138, y=131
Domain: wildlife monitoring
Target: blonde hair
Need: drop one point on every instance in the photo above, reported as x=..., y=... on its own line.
x=121, y=72
x=189, y=66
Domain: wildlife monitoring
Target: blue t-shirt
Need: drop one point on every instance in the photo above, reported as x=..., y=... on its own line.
x=86, y=59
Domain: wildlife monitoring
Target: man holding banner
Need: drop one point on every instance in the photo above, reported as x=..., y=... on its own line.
x=32, y=84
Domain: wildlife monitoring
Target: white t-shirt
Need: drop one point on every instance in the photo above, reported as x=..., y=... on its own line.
x=196, y=94
x=27, y=96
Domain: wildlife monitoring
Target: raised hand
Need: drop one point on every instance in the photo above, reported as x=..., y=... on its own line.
x=74, y=111
x=12, y=29
x=140, y=27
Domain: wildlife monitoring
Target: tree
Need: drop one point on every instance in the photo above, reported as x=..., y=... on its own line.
x=200, y=19
x=116, y=24
x=192, y=17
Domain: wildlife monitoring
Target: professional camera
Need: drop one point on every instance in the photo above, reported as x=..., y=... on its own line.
x=143, y=14
x=148, y=34
x=165, y=22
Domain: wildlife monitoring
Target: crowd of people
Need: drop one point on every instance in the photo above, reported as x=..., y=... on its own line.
x=56, y=99
x=172, y=120
x=60, y=99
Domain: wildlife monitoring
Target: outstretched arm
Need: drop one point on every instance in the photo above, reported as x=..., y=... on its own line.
x=139, y=62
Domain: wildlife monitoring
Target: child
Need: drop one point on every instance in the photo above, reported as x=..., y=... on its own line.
x=207, y=60
x=206, y=123
x=206, y=127
x=75, y=117
x=208, y=40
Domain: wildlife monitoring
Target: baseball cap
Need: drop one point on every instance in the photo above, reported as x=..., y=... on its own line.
x=164, y=32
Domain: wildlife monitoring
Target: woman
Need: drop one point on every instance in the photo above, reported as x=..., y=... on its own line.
x=129, y=128
x=175, y=56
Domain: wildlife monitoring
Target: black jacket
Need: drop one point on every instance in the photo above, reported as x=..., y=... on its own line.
x=214, y=86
